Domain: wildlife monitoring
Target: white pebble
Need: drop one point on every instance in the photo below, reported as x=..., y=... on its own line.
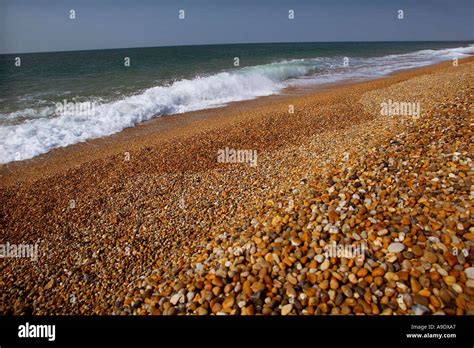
x=396, y=247
x=469, y=272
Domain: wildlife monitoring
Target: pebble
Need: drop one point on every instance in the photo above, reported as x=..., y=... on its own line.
x=469, y=272
x=347, y=291
x=415, y=285
x=390, y=276
x=420, y=309
x=417, y=250
x=257, y=286
x=325, y=265
x=176, y=298
x=449, y=280
x=396, y=247
x=382, y=232
x=228, y=302
x=430, y=257
x=291, y=279
x=421, y=300
x=445, y=296
x=201, y=311
x=379, y=271
x=286, y=309
x=456, y=287
x=353, y=278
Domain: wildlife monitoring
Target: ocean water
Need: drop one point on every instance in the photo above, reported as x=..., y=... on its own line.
x=169, y=80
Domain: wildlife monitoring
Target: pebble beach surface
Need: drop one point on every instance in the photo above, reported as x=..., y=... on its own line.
x=167, y=229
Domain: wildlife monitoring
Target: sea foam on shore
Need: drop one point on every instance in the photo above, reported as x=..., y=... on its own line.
x=45, y=129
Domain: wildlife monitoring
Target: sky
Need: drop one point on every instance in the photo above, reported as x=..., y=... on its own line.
x=44, y=25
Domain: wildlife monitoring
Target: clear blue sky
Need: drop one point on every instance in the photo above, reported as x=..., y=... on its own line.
x=44, y=25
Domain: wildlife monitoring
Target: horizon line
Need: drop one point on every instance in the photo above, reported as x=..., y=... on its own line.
x=229, y=44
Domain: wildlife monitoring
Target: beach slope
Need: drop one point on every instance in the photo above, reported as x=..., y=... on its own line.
x=149, y=221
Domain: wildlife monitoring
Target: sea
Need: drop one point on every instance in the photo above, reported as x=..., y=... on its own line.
x=55, y=99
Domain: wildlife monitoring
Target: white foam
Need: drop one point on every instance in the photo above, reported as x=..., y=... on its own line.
x=43, y=131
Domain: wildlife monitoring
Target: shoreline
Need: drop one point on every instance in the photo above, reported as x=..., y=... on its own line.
x=175, y=126
x=172, y=231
